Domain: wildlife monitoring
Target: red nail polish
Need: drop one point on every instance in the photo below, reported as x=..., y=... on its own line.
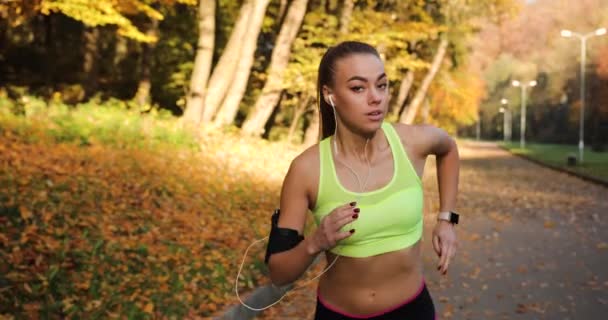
x=352, y=230
x=355, y=216
x=356, y=210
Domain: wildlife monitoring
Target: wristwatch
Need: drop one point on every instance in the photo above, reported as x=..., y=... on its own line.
x=449, y=216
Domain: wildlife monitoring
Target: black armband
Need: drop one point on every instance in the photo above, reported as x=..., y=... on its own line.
x=280, y=239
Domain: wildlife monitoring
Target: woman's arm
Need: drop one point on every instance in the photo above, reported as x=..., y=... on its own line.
x=448, y=166
x=437, y=142
x=287, y=266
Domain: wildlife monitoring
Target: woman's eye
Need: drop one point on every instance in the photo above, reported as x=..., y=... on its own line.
x=383, y=86
x=357, y=88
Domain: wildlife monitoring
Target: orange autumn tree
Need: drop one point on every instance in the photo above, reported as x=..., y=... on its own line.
x=453, y=100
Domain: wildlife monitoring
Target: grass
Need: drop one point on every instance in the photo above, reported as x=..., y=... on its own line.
x=595, y=164
x=113, y=122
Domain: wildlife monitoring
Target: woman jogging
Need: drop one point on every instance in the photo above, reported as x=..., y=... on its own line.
x=362, y=183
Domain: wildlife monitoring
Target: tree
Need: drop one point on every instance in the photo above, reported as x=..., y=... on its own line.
x=254, y=124
x=346, y=15
x=460, y=19
x=412, y=109
x=202, y=62
x=223, y=73
x=404, y=89
x=142, y=95
x=90, y=61
x=105, y=12
x=229, y=108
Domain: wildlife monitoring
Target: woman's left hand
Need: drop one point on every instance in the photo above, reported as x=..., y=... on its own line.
x=444, y=243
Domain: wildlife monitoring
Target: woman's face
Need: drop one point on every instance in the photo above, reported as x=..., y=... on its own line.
x=360, y=91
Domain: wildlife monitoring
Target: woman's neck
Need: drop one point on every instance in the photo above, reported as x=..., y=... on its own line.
x=351, y=145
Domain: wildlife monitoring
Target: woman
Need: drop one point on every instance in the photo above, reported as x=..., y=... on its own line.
x=362, y=184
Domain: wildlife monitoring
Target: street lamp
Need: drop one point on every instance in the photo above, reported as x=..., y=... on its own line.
x=583, y=38
x=522, y=129
x=506, y=120
x=478, y=126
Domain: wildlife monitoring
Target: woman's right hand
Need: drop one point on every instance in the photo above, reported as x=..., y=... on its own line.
x=328, y=233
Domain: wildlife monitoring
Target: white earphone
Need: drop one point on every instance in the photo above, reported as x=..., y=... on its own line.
x=362, y=188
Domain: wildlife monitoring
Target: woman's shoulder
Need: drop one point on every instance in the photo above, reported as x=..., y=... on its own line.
x=418, y=133
x=422, y=138
x=307, y=161
x=411, y=131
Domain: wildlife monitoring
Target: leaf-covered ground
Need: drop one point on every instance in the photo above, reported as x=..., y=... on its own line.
x=533, y=245
x=106, y=232
x=102, y=232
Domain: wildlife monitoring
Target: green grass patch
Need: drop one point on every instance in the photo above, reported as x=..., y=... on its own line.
x=595, y=164
x=111, y=122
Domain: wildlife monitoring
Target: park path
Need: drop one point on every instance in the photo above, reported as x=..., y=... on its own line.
x=533, y=244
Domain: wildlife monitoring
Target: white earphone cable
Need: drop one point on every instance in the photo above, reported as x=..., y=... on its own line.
x=362, y=188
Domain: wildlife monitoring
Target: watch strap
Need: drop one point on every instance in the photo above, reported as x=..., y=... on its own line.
x=449, y=216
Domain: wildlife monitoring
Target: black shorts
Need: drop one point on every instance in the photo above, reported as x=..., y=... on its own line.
x=418, y=307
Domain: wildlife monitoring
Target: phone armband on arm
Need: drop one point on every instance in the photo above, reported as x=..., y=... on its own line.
x=281, y=239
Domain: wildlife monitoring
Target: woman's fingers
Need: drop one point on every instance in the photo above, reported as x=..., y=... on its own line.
x=333, y=222
x=443, y=256
x=347, y=216
x=436, y=245
x=450, y=250
x=449, y=256
x=344, y=234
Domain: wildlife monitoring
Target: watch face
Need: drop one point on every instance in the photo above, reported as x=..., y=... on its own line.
x=454, y=217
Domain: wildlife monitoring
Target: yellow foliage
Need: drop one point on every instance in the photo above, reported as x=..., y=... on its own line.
x=455, y=99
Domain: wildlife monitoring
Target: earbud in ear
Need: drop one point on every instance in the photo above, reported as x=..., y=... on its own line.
x=331, y=101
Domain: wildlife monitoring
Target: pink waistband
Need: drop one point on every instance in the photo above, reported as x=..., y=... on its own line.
x=367, y=316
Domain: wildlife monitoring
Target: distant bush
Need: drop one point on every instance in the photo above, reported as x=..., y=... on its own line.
x=115, y=122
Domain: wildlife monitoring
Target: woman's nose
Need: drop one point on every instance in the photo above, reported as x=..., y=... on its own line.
x=376, y=95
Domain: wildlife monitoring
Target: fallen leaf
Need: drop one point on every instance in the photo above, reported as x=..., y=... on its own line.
x=149, y=308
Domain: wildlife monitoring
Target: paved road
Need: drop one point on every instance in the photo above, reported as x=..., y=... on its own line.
x=533, y=244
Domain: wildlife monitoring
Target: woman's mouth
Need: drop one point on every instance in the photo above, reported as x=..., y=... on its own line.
x=375, y=115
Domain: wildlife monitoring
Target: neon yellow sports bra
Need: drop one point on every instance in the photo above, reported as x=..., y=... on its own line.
x=390, y=217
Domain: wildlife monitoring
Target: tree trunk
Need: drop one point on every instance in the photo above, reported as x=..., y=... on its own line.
x=230, y=107
x=90, y=67
x=282, y=8
x=254, y=124
x=410, y=113
x=223, y=73
x=297, y=115
x=330, y=6
x=202, y=62
x=142, y=96
x=345, y=15
x=51, y=52
x=311, y=136
x=404, y=89
x=426, y=110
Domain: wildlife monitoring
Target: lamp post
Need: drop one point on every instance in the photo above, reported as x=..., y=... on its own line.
x=583, y=38
x=506, y=120
x=478, y=127
x=522, y=129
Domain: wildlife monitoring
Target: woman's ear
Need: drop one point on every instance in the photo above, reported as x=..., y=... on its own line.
x=327, y=95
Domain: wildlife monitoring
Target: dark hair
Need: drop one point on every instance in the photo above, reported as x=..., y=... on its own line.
x=326, y=77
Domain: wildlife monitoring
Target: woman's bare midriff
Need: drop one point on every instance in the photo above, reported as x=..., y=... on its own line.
x=373, y=284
